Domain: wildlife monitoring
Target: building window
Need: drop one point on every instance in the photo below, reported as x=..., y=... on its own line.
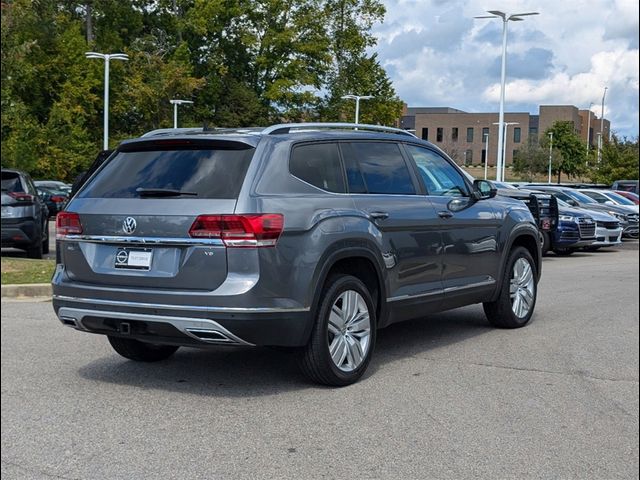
x=484, y=156
x=468, y=157
x=454, y=134
x=439, y=134
x=470, y=135
x=514, y=154
x=425, y=134
x=517, y=133
x=485, y=132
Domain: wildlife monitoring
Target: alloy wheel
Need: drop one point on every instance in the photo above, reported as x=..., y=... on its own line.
x=349, y=331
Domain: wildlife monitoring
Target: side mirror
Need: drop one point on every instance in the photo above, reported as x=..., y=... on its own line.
x=483, y=189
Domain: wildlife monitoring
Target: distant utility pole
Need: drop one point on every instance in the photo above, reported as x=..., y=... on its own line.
x=550, y=154
x=175, y=104
x=357, y=98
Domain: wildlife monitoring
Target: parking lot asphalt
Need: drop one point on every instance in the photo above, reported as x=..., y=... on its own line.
x=445, y=397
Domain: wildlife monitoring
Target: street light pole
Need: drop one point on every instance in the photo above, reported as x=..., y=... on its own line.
x=588, y=131
x=175, y=104
x=550, y=153
x=601, y=126
x=505, y=19
x=503, y=146
x=357, y=98
x=486, y=154
x=106, y=57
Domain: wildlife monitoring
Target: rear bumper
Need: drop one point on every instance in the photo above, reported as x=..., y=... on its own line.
x=196, y=326
x=18, y=232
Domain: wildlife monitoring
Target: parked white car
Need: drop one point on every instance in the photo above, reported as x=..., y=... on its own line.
x=608, y=197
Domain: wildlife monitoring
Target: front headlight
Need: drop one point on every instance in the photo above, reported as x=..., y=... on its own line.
x=566, y=218
x=619, y=216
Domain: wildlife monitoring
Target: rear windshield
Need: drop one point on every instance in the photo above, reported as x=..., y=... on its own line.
x=199, y=172
x=11, y=182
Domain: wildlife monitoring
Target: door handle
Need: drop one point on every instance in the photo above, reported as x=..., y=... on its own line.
x=445, y=214
x=379, y=215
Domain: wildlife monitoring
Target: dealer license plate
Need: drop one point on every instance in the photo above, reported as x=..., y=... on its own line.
x=137, y=259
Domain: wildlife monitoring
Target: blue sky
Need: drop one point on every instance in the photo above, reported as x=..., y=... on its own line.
x=437, y=54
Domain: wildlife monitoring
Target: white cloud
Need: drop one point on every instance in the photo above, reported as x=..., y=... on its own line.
x=437, y=55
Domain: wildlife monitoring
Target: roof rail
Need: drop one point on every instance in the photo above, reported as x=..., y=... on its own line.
x=287, y=127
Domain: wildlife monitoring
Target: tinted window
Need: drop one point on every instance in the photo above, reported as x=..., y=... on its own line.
x=319, y=165
x=382, y=166
x=439, y=176
x=208, y=173
x=516, y=135
x=11, y=182
x=470, y=135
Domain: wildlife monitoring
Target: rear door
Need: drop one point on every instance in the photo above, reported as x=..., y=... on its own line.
x=385, y=188
x=137, y=210
x=469, y=228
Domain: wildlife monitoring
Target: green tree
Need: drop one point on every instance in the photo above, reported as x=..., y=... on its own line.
x=567, y=144
x=619, y=161
x=531, y=160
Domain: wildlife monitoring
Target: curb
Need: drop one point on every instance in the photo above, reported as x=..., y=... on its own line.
x=26, y=290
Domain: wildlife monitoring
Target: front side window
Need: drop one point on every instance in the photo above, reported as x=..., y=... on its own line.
x=319, y=165
x=439, y=176
x=377, y=168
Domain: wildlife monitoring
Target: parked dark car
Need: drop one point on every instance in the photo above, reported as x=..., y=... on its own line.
x=308, y=236
x=53, y=198
x=627, y=185
x=575, y=198
x=24, y=215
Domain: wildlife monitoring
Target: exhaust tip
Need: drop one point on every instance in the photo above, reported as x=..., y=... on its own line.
x=69, y=322
x=209, y=335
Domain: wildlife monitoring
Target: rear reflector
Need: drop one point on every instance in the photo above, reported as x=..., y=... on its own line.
x=240, y=230
x=68, y=223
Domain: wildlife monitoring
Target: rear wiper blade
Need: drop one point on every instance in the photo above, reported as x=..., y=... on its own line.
x=163, y=192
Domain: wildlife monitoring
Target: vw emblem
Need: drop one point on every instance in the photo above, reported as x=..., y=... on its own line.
x=129, y=225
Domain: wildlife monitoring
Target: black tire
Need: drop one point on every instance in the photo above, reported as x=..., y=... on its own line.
x=45, y=237
x=500, y=313
x=563, y=252
x=316, y=361
x=141, y=351
x=35, y=249
x=545, y=244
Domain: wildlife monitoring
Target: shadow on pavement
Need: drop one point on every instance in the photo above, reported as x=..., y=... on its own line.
x=246, y=372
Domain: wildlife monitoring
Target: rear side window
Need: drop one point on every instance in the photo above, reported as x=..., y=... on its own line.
x=11, y=182
x=199, y=172
x=382, y=167
x=319, y=165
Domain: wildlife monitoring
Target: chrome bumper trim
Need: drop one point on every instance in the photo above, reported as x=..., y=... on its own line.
x=188, y=326
x=198, y=308
x=118, y=239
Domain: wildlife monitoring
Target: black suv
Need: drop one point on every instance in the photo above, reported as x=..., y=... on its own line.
x=24, y=215
x=310, y=236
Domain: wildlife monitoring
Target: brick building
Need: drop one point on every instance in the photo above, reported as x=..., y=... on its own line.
x=463, y=135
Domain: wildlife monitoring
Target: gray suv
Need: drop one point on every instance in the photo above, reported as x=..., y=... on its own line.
x=310, y=236
x=24, y=215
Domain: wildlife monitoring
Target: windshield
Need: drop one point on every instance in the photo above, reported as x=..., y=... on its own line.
x=580, y=197
x=618, y=198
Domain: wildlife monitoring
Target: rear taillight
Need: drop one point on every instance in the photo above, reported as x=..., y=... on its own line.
x=58, y=199
x=68, y=223
x=240, y=230
x=21, y=196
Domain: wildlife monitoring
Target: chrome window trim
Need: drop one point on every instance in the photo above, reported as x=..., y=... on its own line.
x=199, y=308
